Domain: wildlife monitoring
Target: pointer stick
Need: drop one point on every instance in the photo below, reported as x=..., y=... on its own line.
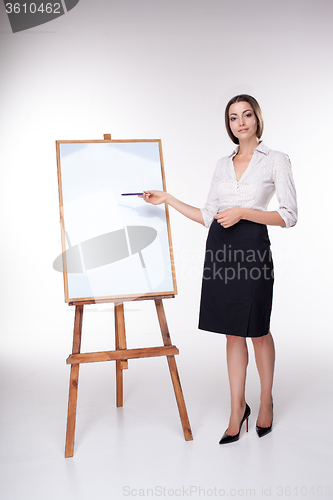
x=131, y=194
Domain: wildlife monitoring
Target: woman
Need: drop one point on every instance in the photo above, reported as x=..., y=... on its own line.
x=237, y=285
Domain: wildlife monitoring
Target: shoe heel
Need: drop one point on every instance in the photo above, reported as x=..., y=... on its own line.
x=247, y=424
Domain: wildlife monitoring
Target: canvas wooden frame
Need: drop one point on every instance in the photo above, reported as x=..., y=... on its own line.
x=122, y=296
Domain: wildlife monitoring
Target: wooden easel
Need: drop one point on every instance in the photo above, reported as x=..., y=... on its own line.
x=121, y=356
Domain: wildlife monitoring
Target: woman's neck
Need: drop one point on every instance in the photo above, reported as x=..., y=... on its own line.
x=247, y=147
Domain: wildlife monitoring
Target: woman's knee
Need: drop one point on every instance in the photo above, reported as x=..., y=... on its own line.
x=260, y=341
x=234, y=340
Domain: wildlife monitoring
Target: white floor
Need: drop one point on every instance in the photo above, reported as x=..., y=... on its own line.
x=139, y=450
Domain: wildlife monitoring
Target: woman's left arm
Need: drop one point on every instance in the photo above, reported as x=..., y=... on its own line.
x=268, y=218
x=231, y=216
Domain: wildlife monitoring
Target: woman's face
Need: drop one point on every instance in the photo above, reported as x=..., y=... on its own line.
x=242, y=120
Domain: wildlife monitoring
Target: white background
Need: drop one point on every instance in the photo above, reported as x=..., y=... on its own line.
x=150, y=69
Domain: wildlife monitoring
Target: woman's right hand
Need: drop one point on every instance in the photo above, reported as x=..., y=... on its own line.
x=154, y=197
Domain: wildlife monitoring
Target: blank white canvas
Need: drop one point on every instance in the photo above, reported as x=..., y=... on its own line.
x=94, y=177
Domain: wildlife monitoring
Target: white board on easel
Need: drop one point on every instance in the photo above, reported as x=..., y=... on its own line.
x=113, y=245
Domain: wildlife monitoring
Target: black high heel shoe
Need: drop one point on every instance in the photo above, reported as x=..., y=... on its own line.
x=262, y=431
x=230, y=439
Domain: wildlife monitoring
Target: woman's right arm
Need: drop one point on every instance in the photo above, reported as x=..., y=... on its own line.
x=158, y=197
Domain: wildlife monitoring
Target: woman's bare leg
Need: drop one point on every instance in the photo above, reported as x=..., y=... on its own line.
x=237, y=360
x=265, y=358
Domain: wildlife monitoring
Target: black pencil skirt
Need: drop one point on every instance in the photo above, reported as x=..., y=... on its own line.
x=237, y=283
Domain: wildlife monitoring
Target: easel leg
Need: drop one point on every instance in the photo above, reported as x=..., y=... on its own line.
x=73, y=384
x=174, y=372
x=120, y=344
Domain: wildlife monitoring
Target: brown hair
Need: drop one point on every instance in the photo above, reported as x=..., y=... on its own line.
x=257, y=111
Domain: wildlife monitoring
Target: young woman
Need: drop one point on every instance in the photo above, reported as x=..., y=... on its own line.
x=237, y=285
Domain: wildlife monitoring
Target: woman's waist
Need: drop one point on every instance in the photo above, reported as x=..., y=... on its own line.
x=255, y=225
x=244, y=232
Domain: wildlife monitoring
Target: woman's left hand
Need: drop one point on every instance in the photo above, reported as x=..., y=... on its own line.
x=229, y=217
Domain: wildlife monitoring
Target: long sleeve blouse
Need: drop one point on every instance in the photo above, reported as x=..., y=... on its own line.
x=268, y=172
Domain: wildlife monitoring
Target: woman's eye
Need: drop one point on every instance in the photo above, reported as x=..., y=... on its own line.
x=232, y=118
x=248, y=115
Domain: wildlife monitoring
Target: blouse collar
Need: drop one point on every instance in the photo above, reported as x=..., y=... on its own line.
x=262, y=148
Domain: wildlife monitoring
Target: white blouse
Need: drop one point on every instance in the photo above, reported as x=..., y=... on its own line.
x=268, y=172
